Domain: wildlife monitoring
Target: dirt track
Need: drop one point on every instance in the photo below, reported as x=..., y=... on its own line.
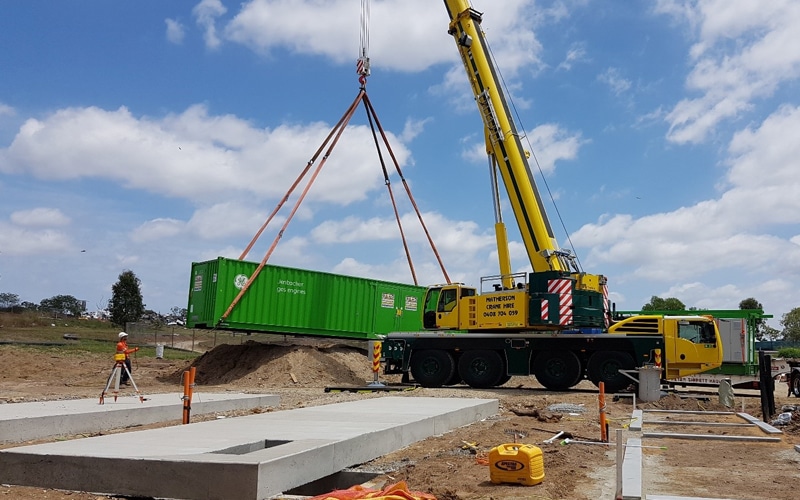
x=441, y=465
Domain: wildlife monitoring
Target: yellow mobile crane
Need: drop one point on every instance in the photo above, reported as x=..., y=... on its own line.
x=555, y=322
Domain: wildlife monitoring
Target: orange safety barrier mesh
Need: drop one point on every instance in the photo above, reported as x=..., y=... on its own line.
x=397, y=491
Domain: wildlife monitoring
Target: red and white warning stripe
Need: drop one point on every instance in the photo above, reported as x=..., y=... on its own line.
x=563, y=287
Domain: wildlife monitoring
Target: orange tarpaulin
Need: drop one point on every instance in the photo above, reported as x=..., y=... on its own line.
x=397, y=491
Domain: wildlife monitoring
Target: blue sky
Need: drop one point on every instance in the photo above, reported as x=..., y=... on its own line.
x=149, y=135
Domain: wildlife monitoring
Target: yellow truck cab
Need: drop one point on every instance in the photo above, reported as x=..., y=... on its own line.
x=692, y=344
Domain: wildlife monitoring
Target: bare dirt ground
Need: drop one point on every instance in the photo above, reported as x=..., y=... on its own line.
x=443, y=465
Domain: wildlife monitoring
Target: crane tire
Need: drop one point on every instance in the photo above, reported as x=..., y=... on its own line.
x=604, y=367
x=795, y=384
x=481, y=368
x=557, y=370
x=432, y=367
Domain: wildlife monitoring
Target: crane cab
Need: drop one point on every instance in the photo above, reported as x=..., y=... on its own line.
x=442, y=306
x=459, y=307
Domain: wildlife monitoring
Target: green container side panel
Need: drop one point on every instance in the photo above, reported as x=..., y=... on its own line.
x=302, y=302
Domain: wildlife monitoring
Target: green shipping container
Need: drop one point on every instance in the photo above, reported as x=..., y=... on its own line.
x=300, y=302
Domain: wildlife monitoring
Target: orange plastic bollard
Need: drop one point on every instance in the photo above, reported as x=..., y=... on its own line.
x=188, y=385
x=603, y=424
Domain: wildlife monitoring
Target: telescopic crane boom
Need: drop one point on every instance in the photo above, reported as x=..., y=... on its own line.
x=503, y=142
x=558, y=294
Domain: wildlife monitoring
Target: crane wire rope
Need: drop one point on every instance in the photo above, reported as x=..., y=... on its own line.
x=533, y=154
x=362, y=64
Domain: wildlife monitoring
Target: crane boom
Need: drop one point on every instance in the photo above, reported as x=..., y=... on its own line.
x=504, y=141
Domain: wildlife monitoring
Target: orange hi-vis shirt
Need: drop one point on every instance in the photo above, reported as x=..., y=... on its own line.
x=122, y=348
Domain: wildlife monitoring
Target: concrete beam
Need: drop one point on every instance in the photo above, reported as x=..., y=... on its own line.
x=710, y=437
x=762, y=425
x=632, y=470
x=636, y=422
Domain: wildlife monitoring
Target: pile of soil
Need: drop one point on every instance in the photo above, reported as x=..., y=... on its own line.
x=277, y=365
x=676, y=402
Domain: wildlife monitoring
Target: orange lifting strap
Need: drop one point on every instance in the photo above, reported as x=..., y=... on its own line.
x=333, y=138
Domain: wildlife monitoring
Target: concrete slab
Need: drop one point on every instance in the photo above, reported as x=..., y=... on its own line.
x=252, y=457
x=38, y=420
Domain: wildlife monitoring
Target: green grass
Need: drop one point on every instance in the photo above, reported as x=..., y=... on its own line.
x=93, y=336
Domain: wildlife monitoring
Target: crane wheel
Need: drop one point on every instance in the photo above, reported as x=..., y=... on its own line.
x=557, y=370
x=432, y=367
x=795, y=384
x=604, y=367
x=481, y=368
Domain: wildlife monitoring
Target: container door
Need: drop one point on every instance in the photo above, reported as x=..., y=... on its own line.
x=202, y=294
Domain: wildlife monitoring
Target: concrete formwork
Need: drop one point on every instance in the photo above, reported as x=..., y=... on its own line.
x=38, y=420
x=251, y=457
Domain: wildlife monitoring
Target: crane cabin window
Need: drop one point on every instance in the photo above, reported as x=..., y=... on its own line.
x=447, y=300
x=699, y=332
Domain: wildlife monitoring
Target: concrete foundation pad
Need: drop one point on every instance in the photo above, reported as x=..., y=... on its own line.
x=27, y=421
x=252, y=457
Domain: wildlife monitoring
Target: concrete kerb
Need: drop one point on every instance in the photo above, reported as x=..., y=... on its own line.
x=39, y=420
x=248, y=457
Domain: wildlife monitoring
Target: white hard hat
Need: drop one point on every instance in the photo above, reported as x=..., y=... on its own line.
x=122, y=335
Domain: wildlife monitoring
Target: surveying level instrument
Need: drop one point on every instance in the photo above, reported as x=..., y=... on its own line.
x=116, y=374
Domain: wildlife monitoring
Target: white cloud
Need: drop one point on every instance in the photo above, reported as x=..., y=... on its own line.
x=413, y=128
x=615, y=81
x=18, y=241
x=206, y=14
x=175, y=31
x=352, y=229
x=332, y=28
x=6, y=110
x=576, y=54
x=548, y=143
x=40, y=217
x=194, y=155
x=730, y=77
x=552, y=143
x=224, y=220
x=156, y=229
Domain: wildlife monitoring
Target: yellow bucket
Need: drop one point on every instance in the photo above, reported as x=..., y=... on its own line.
x=516, y=463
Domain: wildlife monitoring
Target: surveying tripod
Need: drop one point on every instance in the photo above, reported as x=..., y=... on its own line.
x=116, y=373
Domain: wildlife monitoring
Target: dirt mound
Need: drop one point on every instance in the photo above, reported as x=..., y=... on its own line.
x=675, y=402
x=255, y=364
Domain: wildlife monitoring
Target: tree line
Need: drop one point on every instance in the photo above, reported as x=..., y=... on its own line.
x=125, y=306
